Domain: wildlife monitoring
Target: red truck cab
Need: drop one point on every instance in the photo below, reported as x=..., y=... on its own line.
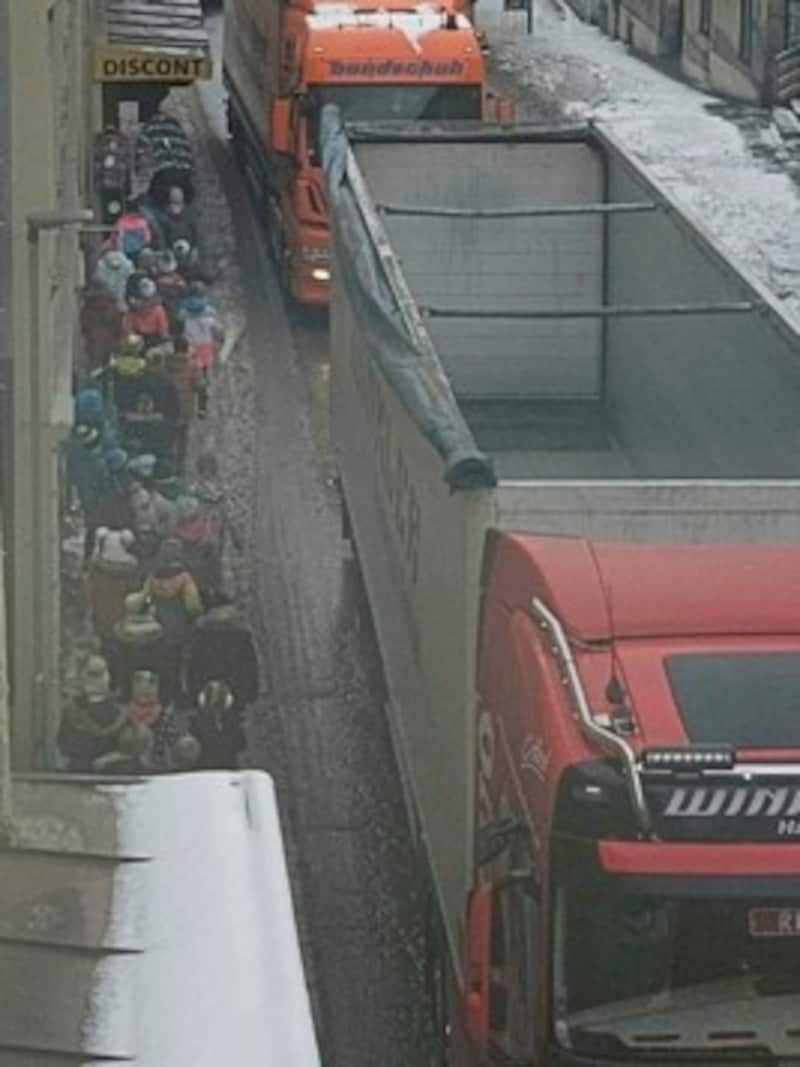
x=637, y=838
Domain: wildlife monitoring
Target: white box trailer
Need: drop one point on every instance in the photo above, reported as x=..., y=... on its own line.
x=528, y=334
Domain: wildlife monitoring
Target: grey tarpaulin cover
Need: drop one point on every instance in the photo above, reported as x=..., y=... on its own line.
x=414, y=374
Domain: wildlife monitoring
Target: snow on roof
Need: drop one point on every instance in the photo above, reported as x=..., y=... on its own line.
x=217, y=977
x=413, y=23
x=700, y=148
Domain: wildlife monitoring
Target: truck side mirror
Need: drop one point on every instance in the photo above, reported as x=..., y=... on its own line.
x=280, y=125
x=477, y=987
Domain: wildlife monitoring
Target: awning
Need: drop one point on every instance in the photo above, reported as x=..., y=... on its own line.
x=152, y=41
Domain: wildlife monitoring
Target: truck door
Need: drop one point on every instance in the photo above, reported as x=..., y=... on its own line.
x=514, y=969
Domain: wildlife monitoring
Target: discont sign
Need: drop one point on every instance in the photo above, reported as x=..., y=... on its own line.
x=148, y=65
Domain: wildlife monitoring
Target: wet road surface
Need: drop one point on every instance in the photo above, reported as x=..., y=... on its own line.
x=320, y=728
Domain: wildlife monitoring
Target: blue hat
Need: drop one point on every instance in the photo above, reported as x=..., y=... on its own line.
x=89, y=405
x=116, y=459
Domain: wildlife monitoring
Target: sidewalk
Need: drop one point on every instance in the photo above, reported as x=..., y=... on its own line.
x=727, y=164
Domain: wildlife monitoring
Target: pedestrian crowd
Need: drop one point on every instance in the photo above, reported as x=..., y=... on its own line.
x=174, y=665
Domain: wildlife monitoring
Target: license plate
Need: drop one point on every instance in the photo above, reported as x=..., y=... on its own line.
x=774, y=922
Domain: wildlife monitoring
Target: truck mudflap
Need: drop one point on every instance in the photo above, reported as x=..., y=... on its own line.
x=150, y=921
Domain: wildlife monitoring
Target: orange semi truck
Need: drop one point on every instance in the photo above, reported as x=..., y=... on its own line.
x=283, y=61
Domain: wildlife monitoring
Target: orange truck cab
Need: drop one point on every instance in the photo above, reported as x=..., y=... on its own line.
x=284, y=62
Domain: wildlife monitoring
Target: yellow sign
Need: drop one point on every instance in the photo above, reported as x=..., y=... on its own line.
x=112, y=64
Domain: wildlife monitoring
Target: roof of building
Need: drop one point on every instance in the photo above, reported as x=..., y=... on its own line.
x=150, y=922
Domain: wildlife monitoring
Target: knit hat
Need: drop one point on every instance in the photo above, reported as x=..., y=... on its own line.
x=165, y=480
x=169, y=559
x=167, y=263
x=139, y=622
x=117, y=459
x=87, y=435
x=186, y=752
x=146, y=261
x=142, y=466
x=116, y=261
x=111, y=554
x=182, y=248
x=196, y=299
x=89, y=405
x=147, y=290
x=215, y=697
x=95, y=679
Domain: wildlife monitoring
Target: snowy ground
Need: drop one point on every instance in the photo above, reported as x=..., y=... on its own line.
x=726, y=164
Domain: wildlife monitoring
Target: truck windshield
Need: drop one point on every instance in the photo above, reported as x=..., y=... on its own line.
x=636, y=972
x=365, y=103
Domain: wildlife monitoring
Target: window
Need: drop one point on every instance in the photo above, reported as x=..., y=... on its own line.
x=705, y=18
x=746, y=30
x=749, y=699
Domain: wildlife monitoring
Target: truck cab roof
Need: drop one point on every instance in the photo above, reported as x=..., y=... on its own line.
x=611, y=590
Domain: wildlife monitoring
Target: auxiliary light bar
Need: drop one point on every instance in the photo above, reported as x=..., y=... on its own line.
x=690, y=757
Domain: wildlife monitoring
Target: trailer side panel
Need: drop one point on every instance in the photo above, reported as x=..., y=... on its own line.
x=493, y=263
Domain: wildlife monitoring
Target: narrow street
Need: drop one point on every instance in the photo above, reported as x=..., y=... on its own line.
x=320, y=728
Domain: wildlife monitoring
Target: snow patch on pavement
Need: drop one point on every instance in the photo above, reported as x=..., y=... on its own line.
x=742, y=195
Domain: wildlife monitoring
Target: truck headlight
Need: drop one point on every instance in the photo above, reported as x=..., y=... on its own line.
x=321, y=274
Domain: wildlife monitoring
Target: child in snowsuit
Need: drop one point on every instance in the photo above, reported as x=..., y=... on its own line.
x=177, y=604
x=147, y=316
x=185, y=376
x=205, y=334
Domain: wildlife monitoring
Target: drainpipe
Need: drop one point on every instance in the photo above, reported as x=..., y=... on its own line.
x=6, y=809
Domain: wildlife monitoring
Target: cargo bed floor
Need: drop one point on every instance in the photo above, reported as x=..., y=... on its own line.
x=545, y=439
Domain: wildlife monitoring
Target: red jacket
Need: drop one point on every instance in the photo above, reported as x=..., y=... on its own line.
x=148, y=321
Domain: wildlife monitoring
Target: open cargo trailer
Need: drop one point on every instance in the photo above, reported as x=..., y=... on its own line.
x=150, y=921
x=528, y=334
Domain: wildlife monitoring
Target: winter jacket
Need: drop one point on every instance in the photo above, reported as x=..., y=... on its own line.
x=221, y=740
x=204, y=332
x=152, y=514
x=184, y=375
x=181, y=227
x=112, y=273
x=149, y=321
x=88, y=473
x=106, y=591
x=223, y=652
x=177, y=603
x=101, y=325
x=89, y=730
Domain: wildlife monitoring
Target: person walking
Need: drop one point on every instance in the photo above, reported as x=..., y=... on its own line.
x=205, y=335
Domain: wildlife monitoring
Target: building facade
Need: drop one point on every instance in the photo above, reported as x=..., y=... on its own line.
x=45, y=127
x=740, y=48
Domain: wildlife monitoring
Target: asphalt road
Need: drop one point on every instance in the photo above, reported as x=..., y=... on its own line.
x=320, y=728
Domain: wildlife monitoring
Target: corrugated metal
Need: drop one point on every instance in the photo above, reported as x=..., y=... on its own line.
x=156, y=24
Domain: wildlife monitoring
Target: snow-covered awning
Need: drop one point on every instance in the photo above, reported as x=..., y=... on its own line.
x=150, y=921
